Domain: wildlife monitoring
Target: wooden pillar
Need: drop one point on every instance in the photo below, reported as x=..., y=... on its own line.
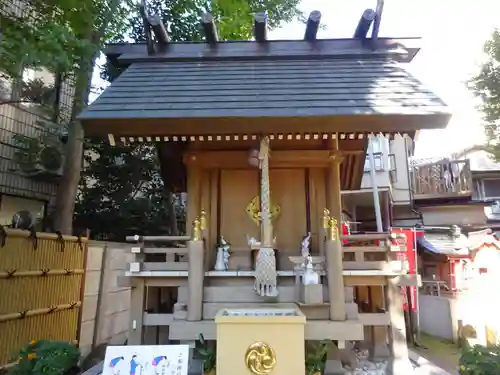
x=333, y=245
x=335, y=279
x=379, y=333
x=399, y=362
x=193, y=193
x=137, y=305
x=196, y=275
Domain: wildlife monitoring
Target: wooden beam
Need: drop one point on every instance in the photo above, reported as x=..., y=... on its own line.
x=159, y=30
x=239, y=159
x=137, y=238
x=147, y=31
x=273, y=49
x=209, y=28
x=312, y=25
x=364, y=24
x=260, y=27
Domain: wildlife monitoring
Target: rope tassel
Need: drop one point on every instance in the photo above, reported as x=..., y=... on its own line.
x=265, y=273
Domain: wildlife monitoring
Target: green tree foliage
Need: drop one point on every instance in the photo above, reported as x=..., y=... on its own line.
x=122, y=192
x=53, y=34
x=486, y=85
x=63, y=37
x=155, y=212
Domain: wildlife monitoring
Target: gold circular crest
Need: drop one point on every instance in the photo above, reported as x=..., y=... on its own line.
x=260, y=358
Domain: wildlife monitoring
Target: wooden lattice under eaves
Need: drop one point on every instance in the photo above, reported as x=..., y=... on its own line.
x=41, y=279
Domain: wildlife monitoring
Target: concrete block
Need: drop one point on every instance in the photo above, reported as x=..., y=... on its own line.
x=113, y=302
x=92, y=281
x=94, y=258
x=89, y=308
x=86, y=333
x=312, y=294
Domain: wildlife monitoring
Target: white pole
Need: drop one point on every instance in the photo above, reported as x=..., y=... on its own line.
x=417, y=304
x=376, y=199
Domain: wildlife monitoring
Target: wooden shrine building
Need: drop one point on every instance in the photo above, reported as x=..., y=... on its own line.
x=263, y=135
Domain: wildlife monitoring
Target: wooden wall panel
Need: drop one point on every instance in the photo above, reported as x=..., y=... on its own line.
x=317, y=191
x=238, y=188
x=288, y=190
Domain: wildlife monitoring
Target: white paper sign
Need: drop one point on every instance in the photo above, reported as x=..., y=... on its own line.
x=146, y=360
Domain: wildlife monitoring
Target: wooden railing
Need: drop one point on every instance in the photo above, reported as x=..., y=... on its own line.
x=372, y=251
x=445, y=179
x=149, y=258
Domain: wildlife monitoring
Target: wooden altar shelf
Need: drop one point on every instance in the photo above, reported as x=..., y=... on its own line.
x=174, y=274
x=368, y=319
x=315, y=329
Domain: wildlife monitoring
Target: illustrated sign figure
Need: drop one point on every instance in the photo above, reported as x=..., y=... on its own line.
x=114, y=365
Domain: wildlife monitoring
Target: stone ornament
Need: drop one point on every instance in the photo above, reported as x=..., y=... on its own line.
x=260, y=358
x=223, y=254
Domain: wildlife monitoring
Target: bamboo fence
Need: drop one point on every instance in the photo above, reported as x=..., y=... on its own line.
x=41, y=283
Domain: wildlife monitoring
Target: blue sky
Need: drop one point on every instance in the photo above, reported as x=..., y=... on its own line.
x=453, y=35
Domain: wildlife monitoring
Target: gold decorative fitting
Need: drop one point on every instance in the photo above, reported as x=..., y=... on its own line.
x=197, y=230
x=203, y=220
x=326, y=218
x=333, y=230
x=253, y=210
x=330, y=224
x=260, y=358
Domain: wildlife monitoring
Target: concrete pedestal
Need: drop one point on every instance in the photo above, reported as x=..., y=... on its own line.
x=277, y=333
x=312, y=294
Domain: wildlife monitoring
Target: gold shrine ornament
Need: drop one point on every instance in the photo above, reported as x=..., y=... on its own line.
x=260, y=358
x=253, y=210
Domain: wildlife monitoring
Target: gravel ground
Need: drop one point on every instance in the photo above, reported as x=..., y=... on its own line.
x=367, y=367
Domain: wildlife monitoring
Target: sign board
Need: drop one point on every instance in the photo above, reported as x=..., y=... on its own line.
x=146, y=360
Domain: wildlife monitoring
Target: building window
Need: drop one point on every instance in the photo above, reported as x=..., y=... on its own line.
x=10, y=205
x=491, y=188
x=380, y=146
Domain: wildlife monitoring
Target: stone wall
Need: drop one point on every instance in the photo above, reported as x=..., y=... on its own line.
x=437, y=316
x=106, y=304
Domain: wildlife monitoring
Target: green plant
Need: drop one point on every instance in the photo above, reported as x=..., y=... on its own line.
x=316, y=356
x=47, y=358
x=480, y=360
x=207, y=355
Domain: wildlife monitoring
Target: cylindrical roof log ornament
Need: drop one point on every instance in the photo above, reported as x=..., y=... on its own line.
x=159, y=29
x=364, y=24
x=376, y=23
x=260, y=27
x=312, y=25
x=209, y=28
x=146, y=26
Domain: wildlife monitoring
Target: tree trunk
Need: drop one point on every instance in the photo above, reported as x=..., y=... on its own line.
x=68, y=186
